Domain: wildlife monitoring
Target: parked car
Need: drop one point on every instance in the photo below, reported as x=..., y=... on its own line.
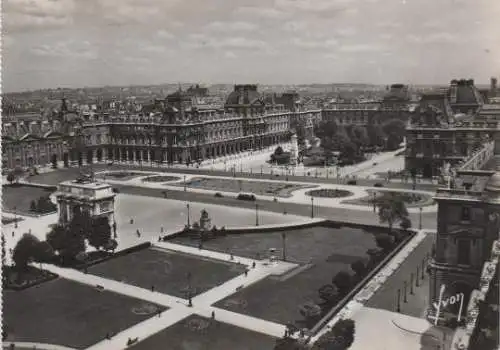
x=218, y=194
x=246, y=197
x=378, y=184
x=352, y=182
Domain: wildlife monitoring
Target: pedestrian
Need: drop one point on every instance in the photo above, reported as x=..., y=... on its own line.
x=131, y=221
x=152, y=288
x=138, y=233
x=13, y=233
x=161, y=229
x=213, y=315
x=246, y=272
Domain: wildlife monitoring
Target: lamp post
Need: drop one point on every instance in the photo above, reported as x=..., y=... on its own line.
x=188, y=215
x=374, y=205
x=411, y=283
x=423, y=265
x=398, y=305
x=256, y=214
x=190, y=301
x=420, y=218
x=184, y=183
x=283, y=240
x=417, y=277
x=405, y=291
x=15, y=217
x=312, y=207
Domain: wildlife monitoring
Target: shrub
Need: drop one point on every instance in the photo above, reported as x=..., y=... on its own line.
x=378, y=184
x=246, y=197
x=329, y=293
x=340, y=337
x=25, y=251
x=352, y=182
x=359, y=268
x=342, y=281
x=218, y=194
x=384, y=241
x=33, y=205
x=405, y=223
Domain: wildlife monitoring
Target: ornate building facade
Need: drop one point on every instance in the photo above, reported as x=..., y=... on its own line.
x=170, y=130
x=440, y=132
x=468, y=225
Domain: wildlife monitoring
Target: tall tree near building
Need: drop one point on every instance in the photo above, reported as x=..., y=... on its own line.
x=391, y=209
x=24, y=251
x=99, y=234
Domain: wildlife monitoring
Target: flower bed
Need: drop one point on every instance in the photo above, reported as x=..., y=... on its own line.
x=411, y=200
x=160, y=178
x=122, y=175
x=329, y=193
x=21, y=280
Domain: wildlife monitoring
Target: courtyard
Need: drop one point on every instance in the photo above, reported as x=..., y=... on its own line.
x=17, y=198
x=167, y=272
x=199, y=333
x=321, y=251
x=279, y=189
x=68, y=313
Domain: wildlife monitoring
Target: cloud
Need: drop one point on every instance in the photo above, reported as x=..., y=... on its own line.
x=388, y=24
x=436, y=38
x=261, y=12
x=230, y=54
x=200, y=40
x=358, y=48
x=66, y=49
x=237, y=26
x=20, y=15
x=312, y=44
x=164, y=34
x=346, y=31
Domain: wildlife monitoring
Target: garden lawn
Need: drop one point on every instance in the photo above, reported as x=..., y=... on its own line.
x=20, y=197
x=199, y=333
x=121, y=175
x=279, y=189
x=167, y=271
x=323, y=251
x=67, y=313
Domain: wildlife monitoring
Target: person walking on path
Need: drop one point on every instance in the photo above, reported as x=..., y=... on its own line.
x=213, y=315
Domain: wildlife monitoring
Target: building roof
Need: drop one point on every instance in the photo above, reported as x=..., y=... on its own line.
x=243, y=95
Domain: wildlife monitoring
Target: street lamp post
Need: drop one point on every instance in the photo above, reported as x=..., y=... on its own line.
x=411, y=283
x=190, y=301
x=256, y=214
x=374, y=205
x=283, y=240
x=312, y=207
x=405, y=286
x=15, y=217
x=184, y=183
x=398, y=306
x=423, y=264
x=188, y=215
x=417, y=277
x=420, y=218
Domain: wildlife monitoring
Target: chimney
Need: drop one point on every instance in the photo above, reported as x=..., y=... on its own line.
x=453, y=91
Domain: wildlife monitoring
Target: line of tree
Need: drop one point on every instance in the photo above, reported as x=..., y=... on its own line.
x=14, y=175
x=43, y=205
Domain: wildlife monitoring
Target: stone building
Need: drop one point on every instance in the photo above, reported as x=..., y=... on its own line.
x=468, y=224
x=448, y=126
x=170, y=130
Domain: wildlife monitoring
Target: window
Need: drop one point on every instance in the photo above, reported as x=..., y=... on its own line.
x=463, y=256
x=465, y=214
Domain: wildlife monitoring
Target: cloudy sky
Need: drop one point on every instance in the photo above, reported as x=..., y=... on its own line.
x=74, y=43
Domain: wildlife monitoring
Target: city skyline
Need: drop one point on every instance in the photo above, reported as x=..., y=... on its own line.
x=71, y=43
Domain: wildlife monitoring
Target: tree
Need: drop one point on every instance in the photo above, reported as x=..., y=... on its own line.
x=340, y=337
x=68, y=241
x=288, y=343
x=24, y=251
x=43, y=252
x=391, y=209
x=405, y=223
x=11, y=177
x=375, y=134
x=310, y=310
x=384, y=241
x=278, y=151
x=56, y=237
x=329, y=293
x=342, y=281
x=99, y=234
x=359, y=268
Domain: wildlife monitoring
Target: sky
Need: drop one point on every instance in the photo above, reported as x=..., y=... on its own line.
x=77, y=43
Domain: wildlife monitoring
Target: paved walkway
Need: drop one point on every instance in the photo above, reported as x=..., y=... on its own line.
x=37, y=346
x=178, y=308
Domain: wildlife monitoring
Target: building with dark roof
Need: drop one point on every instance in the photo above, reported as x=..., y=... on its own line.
x=447, y=127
